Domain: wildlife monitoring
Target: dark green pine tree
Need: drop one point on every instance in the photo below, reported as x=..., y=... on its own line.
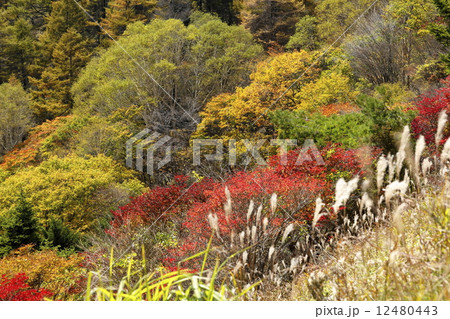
x=442, y=30
x=59, y=235
x=18, y=227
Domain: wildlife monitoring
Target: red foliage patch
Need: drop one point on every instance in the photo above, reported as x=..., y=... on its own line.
x=17, y=289
x=429, y=107
x=297, y=187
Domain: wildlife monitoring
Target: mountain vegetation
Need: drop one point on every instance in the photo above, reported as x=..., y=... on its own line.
x=224, y=150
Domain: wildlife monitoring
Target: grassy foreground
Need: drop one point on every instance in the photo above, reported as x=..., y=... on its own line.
x=408, y=259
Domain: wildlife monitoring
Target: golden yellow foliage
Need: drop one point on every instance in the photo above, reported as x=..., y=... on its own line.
x=286, y=81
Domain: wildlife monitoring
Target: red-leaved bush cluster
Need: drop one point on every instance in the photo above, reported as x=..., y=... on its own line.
x=189, y=203
x=429, y=107
x=17, y=289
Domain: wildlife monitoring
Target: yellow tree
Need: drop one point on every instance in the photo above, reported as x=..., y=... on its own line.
x=243, y=113
x=287, y=81
x=51, y=91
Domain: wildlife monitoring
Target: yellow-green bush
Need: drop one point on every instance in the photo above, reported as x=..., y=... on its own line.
x=79, y=191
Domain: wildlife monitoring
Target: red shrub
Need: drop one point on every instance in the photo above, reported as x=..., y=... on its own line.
x=297, y=187
x=429, y=108
x=17, y=289
x=160, y=204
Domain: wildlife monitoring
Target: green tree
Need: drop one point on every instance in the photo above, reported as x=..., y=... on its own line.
x=121, y=13
x=59, y=235
x=411, y=18
x=442, y=31
x=18, y=227
x=17, y=50
x=385, y=121
x=191, y=63
x=351, y=130
x=33, y=11
x=15, y=115
x=306, y=36
x=227, y=10
x=21, y=21
x=335, y=16
x=65, y=15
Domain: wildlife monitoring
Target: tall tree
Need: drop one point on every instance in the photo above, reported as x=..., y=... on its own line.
x=62, y=51
x=15, y=115
x=272, y=22
x=18, y=227
x=191, y=63
x=226, y=9
x=120, y=13
x=442, y=30
x=51, y=91
x=17, y=51
x=65, y=15
x=20, y=23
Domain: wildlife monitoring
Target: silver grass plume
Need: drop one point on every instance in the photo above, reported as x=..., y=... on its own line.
x=253, y=234
x=273, y=202
x=237, y=267
x=294, y=264
x=227, y=194
x=344, y=190
x=244, y=257
x=420, y=147
x=242, y=238
x=381, y=169
x=401, y=154
x=365, y=185
x=258, y=215
x=406, y=178
x=232, y=238
x=366, y=202
x=441, y=124
x=426, y=167
x=287, y=231
x=445, y=155
x=317, y=214
x=227, y=205
x=265, y=224
x=271, y=251
x=250, y=210
x=394, y=188
x=391, y=165
x=214, y=223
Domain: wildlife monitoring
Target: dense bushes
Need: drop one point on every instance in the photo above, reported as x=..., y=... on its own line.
x=47, y=270
x=78, y=191
x=351, y=130
x=188, y=203
x=16, y=289
x=429, y=107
